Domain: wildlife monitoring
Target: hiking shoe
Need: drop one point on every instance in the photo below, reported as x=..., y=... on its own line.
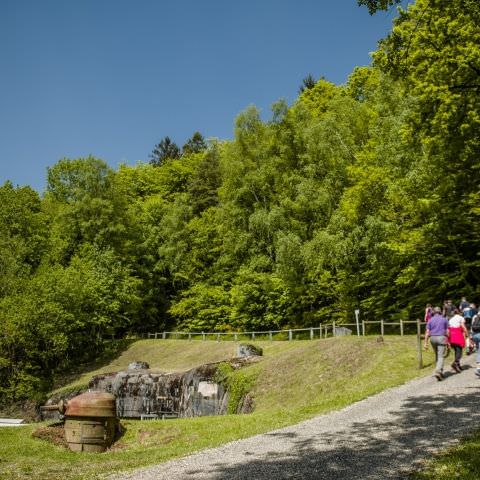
x=456, y=367
x=477, y=372
x=439, y=376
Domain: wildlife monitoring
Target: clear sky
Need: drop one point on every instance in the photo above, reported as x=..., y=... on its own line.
x=111, y=78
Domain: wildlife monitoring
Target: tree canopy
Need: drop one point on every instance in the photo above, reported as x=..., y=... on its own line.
x=363, y=195
x=375, y=5
x=165, y=149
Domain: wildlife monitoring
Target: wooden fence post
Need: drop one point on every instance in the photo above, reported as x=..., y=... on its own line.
x=333, y=329
x=290, y=336
x=270, y=337
x=363, y=327
x=311, y=334
x=401, y=328
x=203, y=336
x=235, y=337
x=419, y=345
x=382, y=327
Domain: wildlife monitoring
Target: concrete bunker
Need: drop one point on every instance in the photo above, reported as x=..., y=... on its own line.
x=144, y=394
x=141, y=393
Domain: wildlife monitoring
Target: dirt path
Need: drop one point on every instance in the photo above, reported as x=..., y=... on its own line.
x=381, y=437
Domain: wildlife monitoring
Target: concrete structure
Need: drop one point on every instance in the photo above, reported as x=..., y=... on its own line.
x=144, y=394
x=12, y=422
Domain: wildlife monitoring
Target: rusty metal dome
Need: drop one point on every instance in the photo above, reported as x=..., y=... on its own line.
x=92, y=404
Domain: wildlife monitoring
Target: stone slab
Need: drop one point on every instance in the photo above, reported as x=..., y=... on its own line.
x=12, y=422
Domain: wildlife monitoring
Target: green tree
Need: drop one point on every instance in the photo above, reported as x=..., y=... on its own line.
x=203, y=308
x=88, y=207
x=308, y=82
x=165, y=149
x=317, y=98
x=205, y=182
x=375, y=5
x=63, y=316
x=23, y=235
x=195, y=144
x=434, y=48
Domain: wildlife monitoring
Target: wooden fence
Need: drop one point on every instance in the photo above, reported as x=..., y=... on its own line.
x=379, y=327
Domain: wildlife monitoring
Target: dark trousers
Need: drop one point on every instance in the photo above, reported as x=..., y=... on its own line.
x=458, y=352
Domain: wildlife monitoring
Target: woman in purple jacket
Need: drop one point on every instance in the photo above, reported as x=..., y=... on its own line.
x=437, y=332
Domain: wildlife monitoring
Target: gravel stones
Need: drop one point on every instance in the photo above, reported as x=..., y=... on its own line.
x=382, y=437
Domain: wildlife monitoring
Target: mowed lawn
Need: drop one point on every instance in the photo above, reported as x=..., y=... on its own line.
x=293, y=382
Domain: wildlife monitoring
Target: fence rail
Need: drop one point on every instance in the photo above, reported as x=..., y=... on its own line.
x=365, y=327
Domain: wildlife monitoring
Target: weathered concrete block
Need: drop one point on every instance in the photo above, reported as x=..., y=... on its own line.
x=342, y=331
x=188, y=394
x=138, y=366
x=247, y=350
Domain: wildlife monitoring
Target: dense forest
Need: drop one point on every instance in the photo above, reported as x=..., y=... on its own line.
x=363, y=195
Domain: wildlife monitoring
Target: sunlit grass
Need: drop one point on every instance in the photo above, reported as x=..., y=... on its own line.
x=164, y=356
x=294, y=381
x=461, y=462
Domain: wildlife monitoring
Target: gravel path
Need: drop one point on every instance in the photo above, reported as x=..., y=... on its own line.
x=381, y=437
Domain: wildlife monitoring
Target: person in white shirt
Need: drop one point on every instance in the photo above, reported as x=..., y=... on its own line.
x=457, y=333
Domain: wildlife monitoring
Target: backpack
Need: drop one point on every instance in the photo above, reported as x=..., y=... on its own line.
x=476, y=324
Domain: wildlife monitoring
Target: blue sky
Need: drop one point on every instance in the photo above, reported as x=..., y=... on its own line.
x=111, y=78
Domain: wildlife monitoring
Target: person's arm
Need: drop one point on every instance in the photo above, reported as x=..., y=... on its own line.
x=464, y=328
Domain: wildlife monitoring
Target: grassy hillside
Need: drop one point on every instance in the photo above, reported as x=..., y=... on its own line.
x=294, y=381
x=163, y=356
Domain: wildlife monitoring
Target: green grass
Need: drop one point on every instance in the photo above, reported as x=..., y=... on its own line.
x=294, y=381
x=162, y=356
x=459, y=462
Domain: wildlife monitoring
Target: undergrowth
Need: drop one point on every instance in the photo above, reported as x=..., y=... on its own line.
x=238, y=383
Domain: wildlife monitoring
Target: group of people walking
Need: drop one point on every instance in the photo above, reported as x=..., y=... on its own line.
x=455, y=327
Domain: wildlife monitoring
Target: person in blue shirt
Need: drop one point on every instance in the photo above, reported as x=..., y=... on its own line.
x=475, y=329
x=468, y=313
x=464, y=304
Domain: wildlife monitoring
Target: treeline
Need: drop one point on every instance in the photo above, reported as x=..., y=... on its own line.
x=364, y=195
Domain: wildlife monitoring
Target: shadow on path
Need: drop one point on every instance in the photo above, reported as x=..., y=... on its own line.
x=370, y=450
